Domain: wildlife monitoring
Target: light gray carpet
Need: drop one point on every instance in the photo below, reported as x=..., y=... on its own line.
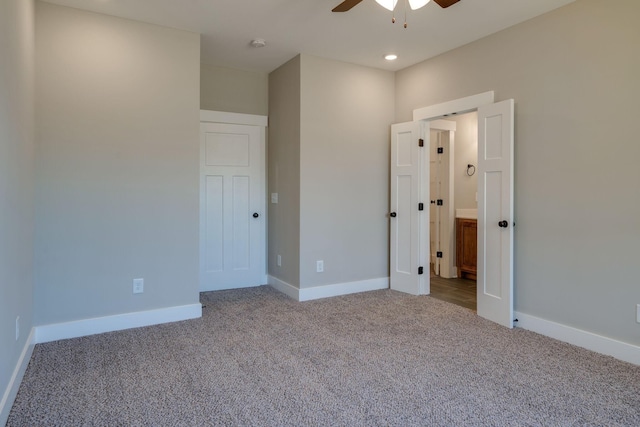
x=381, y=358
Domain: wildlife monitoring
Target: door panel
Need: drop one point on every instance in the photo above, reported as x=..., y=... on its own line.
x=495, y=204
x=405, y=226
x=492, y=238
x=402, y=224
x=214, y=224
x=241, y=239
x=232, y=239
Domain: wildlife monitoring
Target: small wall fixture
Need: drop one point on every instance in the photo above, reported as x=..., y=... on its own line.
x=471, y=169
x=258, y=43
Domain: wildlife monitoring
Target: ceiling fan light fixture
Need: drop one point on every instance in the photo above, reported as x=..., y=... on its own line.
x=417, y=4
x=388, y=4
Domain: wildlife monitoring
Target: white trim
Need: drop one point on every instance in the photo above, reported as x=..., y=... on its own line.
x=99, y=325
x=284, y=287
x=233, y=118
x=11, y=392
x=327, y=291
x=458, y=106
x=618, y=349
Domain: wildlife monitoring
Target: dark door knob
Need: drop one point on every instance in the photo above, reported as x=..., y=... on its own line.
x=256, y=215
x=392, y=214
x=503, y=224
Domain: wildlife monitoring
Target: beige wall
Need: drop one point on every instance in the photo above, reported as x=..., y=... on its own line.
x=346, y=111
x=16, y=185
x=235, y=91
x=117, y=107
x=465, y=152
x=284, y=172
x=329, y=162
x=574, y=76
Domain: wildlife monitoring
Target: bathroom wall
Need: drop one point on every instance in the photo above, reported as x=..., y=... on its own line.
x=465, y=153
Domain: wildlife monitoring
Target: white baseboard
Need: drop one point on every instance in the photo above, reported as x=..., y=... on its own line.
x=618, y=349
x=9, y=395
x=326, y=291
x=284, y=287
x=99, y=325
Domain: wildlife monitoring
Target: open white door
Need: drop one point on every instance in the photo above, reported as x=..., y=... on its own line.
x=495, y=212
x=409, y=271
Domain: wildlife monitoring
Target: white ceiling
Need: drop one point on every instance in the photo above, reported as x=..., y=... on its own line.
x=361, y=36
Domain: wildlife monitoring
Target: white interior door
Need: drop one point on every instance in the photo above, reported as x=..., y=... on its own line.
x=232, y=206
x=495, y=212
x=405, y=219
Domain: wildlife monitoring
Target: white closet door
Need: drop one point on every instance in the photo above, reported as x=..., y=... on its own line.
x=232, y=231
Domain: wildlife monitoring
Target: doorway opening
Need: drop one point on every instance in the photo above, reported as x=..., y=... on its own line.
x=453, y=189
x=409, y=231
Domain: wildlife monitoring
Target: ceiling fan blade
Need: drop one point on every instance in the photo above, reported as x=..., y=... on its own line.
x=345, y=5
x=446, y=3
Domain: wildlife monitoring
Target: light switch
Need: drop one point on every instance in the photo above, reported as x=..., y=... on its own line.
x=274, y=197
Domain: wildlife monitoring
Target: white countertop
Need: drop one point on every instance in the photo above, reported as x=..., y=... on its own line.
x=467, y=213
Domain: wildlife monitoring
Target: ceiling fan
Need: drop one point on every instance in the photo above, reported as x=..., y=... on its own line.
x=348, y=4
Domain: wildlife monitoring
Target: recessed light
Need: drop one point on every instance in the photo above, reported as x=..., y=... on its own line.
x=258, y=43
x=391, y=57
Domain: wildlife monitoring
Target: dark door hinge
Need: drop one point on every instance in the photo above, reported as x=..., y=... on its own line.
x=440, y=202
x=421, y=142
x=440, y=150
x=439, y=254
x=420, y=270
x=420, y=206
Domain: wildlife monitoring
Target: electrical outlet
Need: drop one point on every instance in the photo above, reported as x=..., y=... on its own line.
x=279, y=260
x=138, y=286
x=319, y=266
x=638, y=313
x=17, y=328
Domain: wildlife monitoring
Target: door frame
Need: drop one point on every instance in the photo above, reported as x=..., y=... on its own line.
x=454, y=107
x=222, y=117
x=428, y=115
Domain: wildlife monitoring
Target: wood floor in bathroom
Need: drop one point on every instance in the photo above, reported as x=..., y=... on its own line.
x=456, y=291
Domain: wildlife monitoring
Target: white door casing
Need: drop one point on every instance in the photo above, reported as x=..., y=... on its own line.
x=232, y=193
x=406, y=222
x=495, y=212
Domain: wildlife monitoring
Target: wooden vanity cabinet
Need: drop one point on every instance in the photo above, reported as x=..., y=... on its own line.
x=466, y=247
